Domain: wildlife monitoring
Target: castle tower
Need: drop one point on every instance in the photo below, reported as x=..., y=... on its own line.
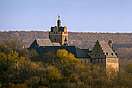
x=58, y=34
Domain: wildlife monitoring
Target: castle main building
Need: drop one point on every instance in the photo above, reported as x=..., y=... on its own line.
x=102, y=52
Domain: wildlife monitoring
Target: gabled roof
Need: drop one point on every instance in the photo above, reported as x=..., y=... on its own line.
x=45, y=42
x=107, y=49
x=97, y=51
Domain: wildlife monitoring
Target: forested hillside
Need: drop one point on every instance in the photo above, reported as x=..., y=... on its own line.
x=122, y=41
x=24, y=68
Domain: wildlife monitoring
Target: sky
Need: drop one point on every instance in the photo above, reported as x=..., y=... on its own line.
x=77, y=15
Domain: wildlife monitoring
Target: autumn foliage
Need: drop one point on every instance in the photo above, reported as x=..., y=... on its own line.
x=18, y=70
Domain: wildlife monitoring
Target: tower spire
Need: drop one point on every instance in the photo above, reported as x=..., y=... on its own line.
x=58, y=22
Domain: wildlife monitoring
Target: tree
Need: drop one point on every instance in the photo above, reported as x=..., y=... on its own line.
x=129, y=68
x=64, y=55
x=53, y=73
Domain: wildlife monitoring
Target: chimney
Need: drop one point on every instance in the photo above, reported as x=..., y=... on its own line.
x=110, y=43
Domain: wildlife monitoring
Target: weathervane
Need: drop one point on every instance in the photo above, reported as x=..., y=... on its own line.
x=58, y=17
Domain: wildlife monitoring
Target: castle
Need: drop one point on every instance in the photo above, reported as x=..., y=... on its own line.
x=102, y=52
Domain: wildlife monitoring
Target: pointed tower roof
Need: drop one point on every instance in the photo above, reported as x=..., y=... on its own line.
x=58, y=22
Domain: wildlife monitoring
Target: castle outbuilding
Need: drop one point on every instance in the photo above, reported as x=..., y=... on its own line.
x=102, y=52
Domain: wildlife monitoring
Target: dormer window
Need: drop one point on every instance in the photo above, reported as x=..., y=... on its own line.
x=106, y=53
x=112, y=54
